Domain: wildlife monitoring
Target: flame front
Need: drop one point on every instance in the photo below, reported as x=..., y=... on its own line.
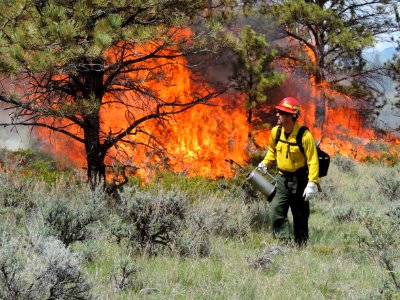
x=334, y=119
x=199, y=140
x=196, y=141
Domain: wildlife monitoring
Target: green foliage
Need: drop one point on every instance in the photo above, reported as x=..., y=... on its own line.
x=259, y=216
x=45, y=270
x=394, y=67
x=193, y=243
x=390, y=158
x=193, y=186
x=327, y=39
x=88, y=250
x=253, y=72
x=159, y=219
x=230, y=224
x=355, y=89
x=71, y=59
x=382, y=244
x=153, y=220
x=389, y=184
x=56, y=31
x=35, y=164
x=15, y=192
x=117, y=228
x=213, y=240
x=226, y=220
x=46, y=171
x=343, y=213
x=344, y=163
x=124, y=274
x=70, y=221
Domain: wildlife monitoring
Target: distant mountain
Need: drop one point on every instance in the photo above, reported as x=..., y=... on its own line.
x=379, y=57
x=388, y=53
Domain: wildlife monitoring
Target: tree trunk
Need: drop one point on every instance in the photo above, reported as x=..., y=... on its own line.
x=92, y=72
x=96, y=170
x=249, y=122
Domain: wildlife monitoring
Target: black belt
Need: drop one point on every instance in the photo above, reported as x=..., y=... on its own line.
x=290, y=175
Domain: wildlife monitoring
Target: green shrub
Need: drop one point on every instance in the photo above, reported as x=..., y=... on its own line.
x=16, y=192
x=382, y=245
x=259, y=215
x=230, y=223
x=124, y=274
x=193, y=243
x=343, y=213
x=191, y=185
x=376, y=146
x=117, y=227
x=45, y=270
x=389, y=183
x=223, y=219
x=390, y=158
x=88, y=250
x=154, y=220
x=344, y=163
x=69, y=218
x=10, y=269
x=34, y=164
x=42, y=170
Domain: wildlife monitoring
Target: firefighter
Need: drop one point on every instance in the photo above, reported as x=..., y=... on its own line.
x=297, y=178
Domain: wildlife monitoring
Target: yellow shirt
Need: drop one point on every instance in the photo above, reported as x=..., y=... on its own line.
x=289, y=158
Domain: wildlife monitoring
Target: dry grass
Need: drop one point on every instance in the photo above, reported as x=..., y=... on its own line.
x=341, y=260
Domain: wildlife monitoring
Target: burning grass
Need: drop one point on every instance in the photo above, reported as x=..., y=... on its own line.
x=210, y=249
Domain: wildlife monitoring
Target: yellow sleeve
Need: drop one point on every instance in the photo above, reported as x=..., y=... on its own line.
x=270, y=157
x=310, y=151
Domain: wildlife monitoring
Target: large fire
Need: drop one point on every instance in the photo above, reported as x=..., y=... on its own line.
x=199, y=141
x=334, y=119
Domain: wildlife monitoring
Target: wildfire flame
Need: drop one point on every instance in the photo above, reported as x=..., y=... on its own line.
x=199, y=140
x=334, y=119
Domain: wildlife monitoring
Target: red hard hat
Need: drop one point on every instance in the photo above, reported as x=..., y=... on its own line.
x=289, y=105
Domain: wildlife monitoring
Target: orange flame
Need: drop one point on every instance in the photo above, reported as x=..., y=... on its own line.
x=199, y=140
x=334, y=119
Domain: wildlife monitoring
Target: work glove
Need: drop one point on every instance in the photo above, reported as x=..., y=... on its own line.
x=310, y=191
x=262, y=168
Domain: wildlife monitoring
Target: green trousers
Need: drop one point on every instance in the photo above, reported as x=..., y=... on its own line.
x=289, y=194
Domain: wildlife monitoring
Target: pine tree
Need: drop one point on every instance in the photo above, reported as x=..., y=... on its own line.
x=253, y=71
x=67, y=59
x=394, y=71
x=327, y=38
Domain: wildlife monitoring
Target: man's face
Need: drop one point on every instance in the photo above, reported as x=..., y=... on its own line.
x=283, y=117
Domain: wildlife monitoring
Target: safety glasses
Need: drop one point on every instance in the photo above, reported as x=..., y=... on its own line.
x=282, y=113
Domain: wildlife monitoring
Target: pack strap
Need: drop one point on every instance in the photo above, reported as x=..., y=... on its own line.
x=299, y=137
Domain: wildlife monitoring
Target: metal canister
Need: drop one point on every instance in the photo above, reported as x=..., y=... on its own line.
x=261, y=184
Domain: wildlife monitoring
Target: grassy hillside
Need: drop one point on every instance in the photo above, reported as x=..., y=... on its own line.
x=192, y=238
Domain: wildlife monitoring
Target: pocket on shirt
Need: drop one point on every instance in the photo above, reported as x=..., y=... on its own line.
x=279, y=148
x=297, y=157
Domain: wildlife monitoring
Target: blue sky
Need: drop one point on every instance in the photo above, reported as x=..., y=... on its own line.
x=381, y=45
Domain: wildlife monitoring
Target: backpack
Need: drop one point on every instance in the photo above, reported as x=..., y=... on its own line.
x=323, y=157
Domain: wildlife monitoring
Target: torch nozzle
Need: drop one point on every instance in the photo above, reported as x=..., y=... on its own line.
x=231, y=161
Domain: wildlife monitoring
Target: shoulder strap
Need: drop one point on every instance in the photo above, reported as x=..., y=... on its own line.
x=278, y=134
x=299, y=138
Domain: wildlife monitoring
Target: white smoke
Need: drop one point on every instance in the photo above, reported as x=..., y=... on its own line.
x=14, y=137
